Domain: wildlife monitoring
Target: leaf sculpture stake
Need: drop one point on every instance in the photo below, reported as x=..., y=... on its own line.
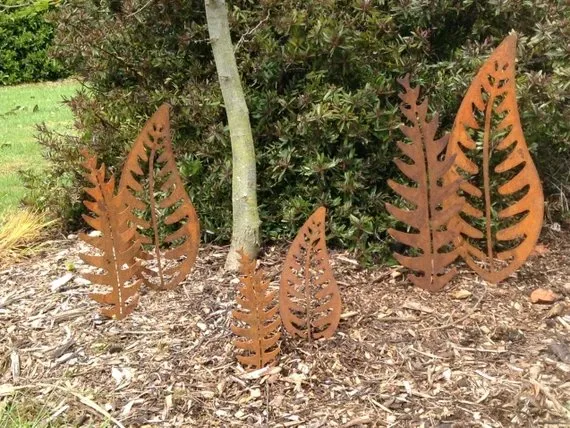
x=503, y=220
x=260, y=335
x=153, y=148
x=428, y=218
x=309, y=298
x=117, y=244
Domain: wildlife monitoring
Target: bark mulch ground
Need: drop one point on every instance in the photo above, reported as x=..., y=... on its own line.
x=474, y=355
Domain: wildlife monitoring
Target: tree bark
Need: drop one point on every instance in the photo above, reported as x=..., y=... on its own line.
x=245, y=231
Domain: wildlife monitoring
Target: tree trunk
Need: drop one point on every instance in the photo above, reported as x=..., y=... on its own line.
x=245, y=231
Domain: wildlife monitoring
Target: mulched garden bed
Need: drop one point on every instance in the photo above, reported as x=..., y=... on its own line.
x=473, y=355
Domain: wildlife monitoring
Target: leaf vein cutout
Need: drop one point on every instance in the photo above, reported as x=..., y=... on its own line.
x=309, y=298
x=117, y=244
x=257, y=319
x=427, y=218
x=153, y=149
x=499, y=224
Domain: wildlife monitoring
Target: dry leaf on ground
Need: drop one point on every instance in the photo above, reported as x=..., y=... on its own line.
x=543, y=295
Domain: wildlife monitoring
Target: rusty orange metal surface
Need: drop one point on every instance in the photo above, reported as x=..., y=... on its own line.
x=117, y=245
x=501, y=222
x=257, y=320
x=309, y=298
x=153, y=152
x=428, y=195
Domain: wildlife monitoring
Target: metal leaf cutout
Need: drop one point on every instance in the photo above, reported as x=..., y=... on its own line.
x=309, y=298
x=116, y=244
x=428, y=219
x=502, y=217
x=150, y=176
x=258, y=317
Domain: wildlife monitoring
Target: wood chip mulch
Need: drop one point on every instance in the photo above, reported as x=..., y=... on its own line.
x=473, y=355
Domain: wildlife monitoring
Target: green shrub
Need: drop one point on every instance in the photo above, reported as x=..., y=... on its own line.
x=25, y=37
x=320, y=79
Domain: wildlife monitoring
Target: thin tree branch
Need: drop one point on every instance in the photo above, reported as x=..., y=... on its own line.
x=140, y=9
x=249, y=32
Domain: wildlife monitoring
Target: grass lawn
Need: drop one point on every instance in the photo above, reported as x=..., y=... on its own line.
x=21, y=108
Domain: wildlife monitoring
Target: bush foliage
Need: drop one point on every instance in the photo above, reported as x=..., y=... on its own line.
x=320, y=80
x=25, y=38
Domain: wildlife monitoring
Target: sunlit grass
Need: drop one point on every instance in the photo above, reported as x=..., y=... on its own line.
x=22, y=107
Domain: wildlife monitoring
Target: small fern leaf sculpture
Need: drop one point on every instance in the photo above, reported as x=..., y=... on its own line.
x=257, y=320
x=309, y=297
x=117, y=244
x=428, y=220
x=150, y=178
x=504, y=204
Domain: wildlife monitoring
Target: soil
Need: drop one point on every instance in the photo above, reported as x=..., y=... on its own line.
x=475, y=354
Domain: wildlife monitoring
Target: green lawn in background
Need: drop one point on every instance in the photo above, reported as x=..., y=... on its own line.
x=21, y=108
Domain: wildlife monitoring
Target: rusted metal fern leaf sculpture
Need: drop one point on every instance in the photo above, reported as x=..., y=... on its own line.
x=428, y=219
x=152, y=152
x=309, y=298
x=116, y=244
x=502, y=217
x=258, y=318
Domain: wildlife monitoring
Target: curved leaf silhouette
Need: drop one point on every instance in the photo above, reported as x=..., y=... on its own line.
x=427, y=218
x=309, y=298
x=117, y=244
x=153, y=149
x=258, y=314
x=503, y=213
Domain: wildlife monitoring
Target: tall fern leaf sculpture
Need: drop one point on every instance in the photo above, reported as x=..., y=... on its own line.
x=428, y=220
x=150, y=178
x=502, y=217
x=309, y=297
x=116, y=244
x=257, y=319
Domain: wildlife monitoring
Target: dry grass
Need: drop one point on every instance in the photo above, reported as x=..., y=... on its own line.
x=21, y=233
